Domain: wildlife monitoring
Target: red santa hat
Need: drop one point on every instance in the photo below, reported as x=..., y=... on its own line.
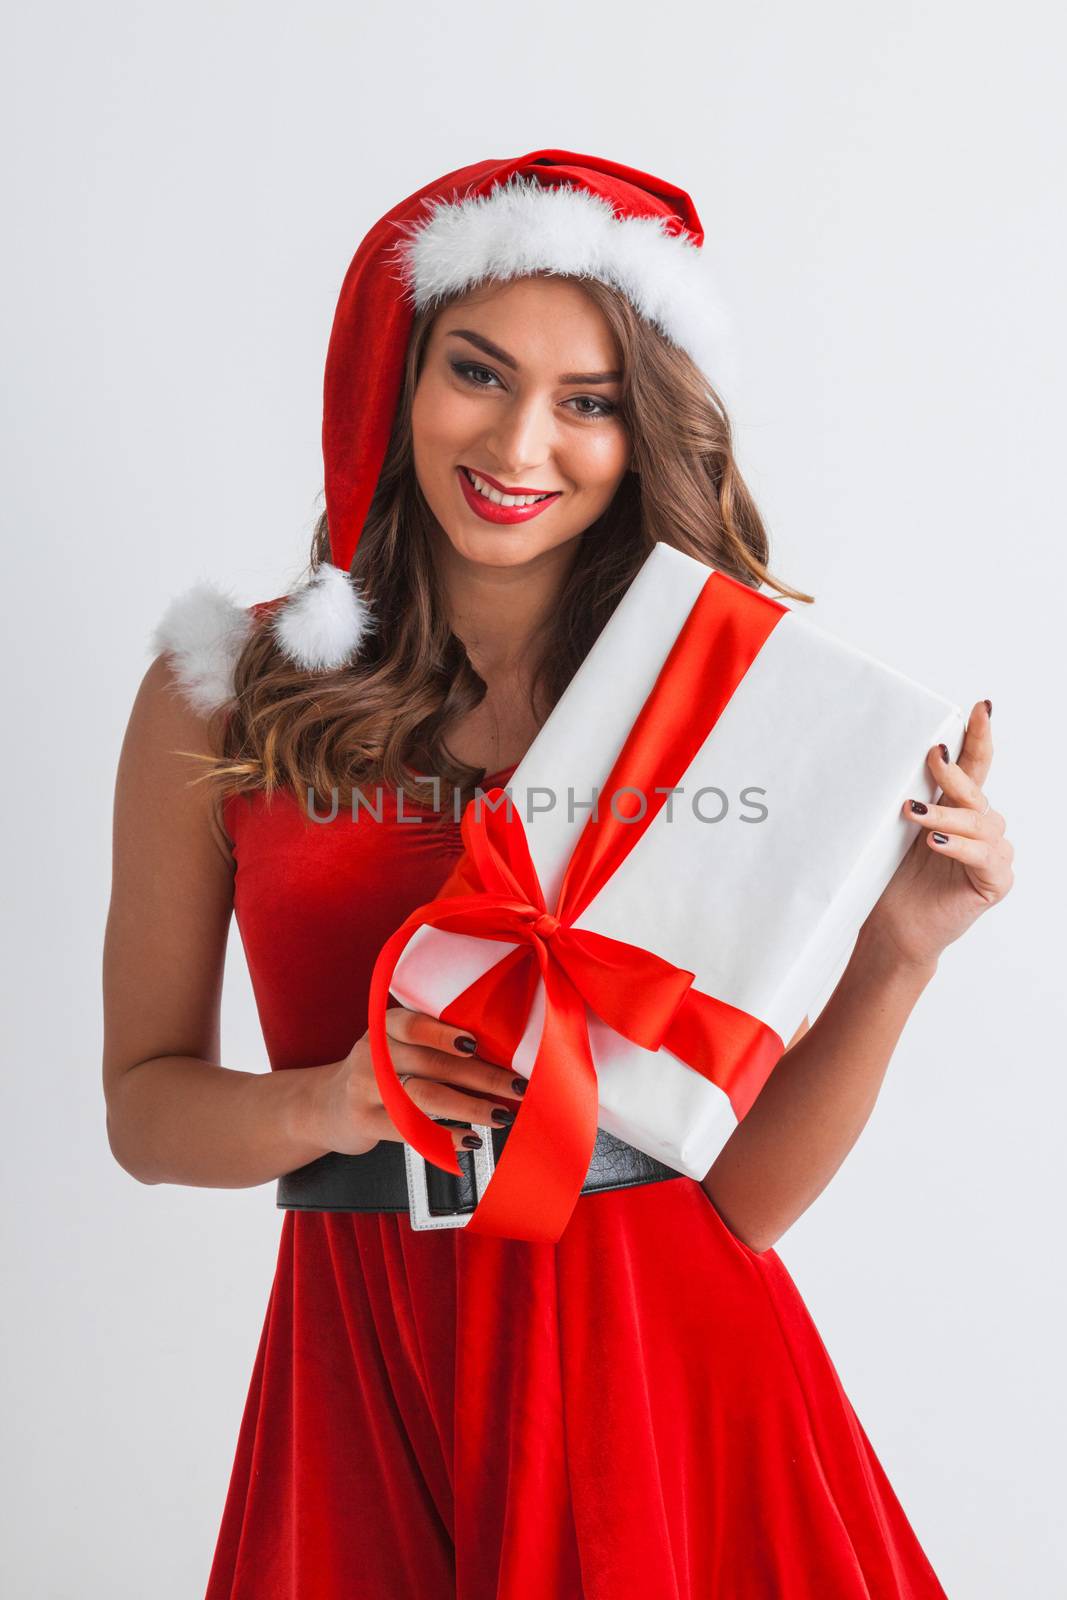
x=552, y=210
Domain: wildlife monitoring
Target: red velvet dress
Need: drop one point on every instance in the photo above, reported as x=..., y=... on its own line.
x=643, y=1411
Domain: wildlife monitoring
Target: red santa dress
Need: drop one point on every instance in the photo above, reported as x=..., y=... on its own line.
x=642, y=1411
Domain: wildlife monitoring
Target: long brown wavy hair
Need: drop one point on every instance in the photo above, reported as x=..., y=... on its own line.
x=386, y=717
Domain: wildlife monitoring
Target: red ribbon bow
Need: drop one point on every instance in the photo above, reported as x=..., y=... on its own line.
x=644, y=998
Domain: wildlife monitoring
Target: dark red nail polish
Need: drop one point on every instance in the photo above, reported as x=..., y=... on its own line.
x=988, y=707
x=917, y=805
x=501, y=1116
x=519, y=1085
x=942, y=838
x=466, y=1044
x=472, y=1141
x=944, y=753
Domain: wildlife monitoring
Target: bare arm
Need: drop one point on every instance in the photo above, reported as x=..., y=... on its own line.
x=174, y=1114
x=818, y=1099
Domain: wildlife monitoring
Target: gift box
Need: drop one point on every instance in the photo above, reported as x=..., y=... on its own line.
x=645, y=965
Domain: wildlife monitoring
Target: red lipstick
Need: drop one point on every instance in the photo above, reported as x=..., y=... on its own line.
x=489, y=511
x=505, y=488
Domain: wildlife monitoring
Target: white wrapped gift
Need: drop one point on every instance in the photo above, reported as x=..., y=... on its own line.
x=761, y=908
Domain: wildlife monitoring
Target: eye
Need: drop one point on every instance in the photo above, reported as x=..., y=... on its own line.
x=474, y=373
x=466, y=371
x=604, y=407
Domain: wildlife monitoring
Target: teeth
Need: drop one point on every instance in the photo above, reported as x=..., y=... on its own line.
x=499, y=499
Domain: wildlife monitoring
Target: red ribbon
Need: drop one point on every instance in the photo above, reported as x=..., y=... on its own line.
x=494, y=893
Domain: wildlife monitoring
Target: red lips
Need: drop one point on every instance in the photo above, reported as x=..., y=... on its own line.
x=489, y=511
x=495, y=483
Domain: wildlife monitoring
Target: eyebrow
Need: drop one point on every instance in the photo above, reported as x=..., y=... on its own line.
x=490, y=349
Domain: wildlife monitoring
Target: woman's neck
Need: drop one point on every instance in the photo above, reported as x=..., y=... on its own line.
x=499, y=612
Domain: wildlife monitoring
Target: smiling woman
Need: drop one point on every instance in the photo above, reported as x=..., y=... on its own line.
x=475, y=613
x=643, y=1408
x=520, y=428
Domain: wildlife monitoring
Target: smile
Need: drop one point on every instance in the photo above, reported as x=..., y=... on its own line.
x=493, y=506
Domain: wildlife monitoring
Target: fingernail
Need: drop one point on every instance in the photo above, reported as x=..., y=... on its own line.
x=501, y=1116
x=988, y=707
x=519, y=1085
x=944, y=753
x=472, y=1141
x=466, y=1043
x=917, y=805
x=942, y=838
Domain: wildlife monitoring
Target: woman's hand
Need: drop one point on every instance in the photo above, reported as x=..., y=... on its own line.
x=959, y=865
x=447, y=1080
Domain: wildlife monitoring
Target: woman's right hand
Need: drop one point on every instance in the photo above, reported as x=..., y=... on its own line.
x=447, y=1081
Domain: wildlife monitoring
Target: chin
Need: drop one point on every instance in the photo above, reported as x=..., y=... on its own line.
x=497, y=548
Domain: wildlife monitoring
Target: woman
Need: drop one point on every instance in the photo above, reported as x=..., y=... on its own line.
x=645, y=1408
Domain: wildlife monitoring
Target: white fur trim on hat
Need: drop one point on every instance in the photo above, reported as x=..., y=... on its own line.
x=204, y=630
x=523, y=226
x=323, y=624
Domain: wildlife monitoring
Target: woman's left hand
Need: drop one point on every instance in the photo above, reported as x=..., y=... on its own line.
x=959, y=865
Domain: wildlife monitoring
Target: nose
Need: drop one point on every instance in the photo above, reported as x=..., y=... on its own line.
x=521, y=441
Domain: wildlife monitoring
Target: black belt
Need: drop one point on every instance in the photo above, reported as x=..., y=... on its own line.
x=381, y=1180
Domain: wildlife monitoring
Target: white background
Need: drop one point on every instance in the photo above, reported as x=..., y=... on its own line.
x=183, y=189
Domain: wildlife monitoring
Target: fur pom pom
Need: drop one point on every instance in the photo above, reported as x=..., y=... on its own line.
x=204, y=630
x=323, y=624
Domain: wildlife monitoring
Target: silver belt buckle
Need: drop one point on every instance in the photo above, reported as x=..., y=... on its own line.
x=418, y=1194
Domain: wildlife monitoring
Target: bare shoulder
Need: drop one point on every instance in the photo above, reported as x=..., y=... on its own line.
x=165, y=753
x=162, y=704
x=176, y=720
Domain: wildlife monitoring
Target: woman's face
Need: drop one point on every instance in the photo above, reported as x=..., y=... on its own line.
x=520, y=386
